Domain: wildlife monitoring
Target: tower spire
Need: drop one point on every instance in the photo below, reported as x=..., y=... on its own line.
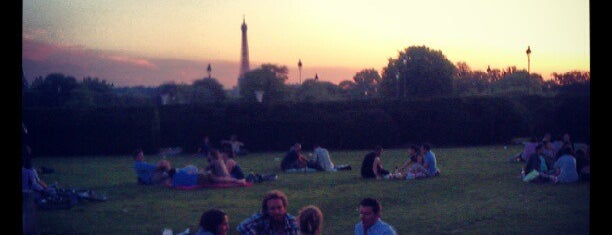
x=244, y=55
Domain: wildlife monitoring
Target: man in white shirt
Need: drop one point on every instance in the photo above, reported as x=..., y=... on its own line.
x=321, y=160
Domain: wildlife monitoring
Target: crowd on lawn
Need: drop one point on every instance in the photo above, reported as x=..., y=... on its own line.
x=557, y=161
x=554, y=161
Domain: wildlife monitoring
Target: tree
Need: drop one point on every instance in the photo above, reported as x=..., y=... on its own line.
x=207, y=90
x=366, y=82
x=97, y=85
x=167, y=92
x=418, y=71
x=97, y=92
x=574, y=82
x=54, y=90
x=349, y=89
x=518, y=83
x=312, y=90
x=269, y=78
x=471, y=83
x=571, y=77
x=463, y=70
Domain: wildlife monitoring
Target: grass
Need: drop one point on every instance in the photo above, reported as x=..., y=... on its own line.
x=479, y=192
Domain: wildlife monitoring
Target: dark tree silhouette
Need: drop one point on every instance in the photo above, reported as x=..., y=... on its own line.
x=269, y=78
x=418, y=71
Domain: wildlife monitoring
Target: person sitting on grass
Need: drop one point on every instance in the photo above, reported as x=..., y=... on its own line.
x=400, y=172
x=147, y=173
x=310, y=220
x=537, y=162
x=237, y=146
x=232, y=166
x=429, y=161
x=30, y=181
x=528, y=150
x=213, y=222
x=371, y=166
x=272, y=219
x=583, y=165
x=322, y=162
x=415, y=168
x=565, y=167
x=218, y=172
x=294, y=159
x=370, y=223
x=548, y=153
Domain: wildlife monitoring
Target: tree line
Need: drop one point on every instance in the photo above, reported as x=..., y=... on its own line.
x=416, y=72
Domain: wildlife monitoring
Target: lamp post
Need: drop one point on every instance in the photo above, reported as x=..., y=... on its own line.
x=300, y=69
x=209, y=70
x=528, y=67
x=528, y=60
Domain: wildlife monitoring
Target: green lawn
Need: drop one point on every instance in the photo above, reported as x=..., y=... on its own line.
x=479, y=192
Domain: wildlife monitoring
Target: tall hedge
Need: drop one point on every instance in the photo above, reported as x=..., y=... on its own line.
x=444, y=121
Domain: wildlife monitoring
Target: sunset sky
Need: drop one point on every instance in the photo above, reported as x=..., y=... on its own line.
x=149, y=42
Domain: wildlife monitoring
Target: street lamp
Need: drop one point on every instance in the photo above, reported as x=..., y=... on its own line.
x=209, y=69
x=528, y=67
x=300, y=69
x=528, y=60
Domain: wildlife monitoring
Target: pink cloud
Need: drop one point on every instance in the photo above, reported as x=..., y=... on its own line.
x=41, y=59
x=133, y=61
x=36, y=51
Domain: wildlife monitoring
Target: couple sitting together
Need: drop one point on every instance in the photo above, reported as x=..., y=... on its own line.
x=295, y=161
x=420, y=164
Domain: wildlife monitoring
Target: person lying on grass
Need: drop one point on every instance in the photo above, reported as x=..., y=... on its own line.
x=215, y=173
x=147, y=173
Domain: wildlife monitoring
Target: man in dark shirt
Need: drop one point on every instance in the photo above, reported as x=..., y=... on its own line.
x=371, y=167
x=294, y=159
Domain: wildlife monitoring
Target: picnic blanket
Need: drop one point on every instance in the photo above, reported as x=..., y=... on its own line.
x=212, y=185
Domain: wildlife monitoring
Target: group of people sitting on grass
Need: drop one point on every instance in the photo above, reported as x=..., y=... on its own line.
x=221, y=168
x=274, y=219
x=421, y=163
x=554, y=161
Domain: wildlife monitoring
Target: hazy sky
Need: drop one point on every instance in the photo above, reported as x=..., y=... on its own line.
x=148, y=42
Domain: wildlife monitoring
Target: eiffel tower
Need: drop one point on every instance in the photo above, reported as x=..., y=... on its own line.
x=244, y=56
